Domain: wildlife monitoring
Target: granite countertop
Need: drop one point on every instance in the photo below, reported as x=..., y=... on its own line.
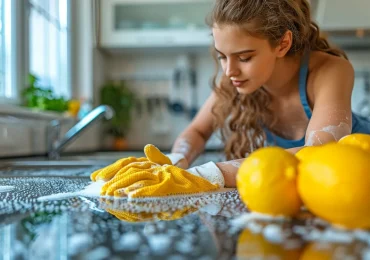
x=208, y=226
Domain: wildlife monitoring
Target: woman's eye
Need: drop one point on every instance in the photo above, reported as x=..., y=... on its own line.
x=220, y=57
x=245, y=60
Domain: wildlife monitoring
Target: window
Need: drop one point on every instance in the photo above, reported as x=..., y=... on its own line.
x=7, y=50
x=49, y=44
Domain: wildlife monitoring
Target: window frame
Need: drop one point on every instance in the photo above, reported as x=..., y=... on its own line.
x=68, y=70
x=20, y=20
x=17, y=62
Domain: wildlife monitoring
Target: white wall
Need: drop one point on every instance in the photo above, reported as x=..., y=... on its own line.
x=158, y=68
x=152, y=64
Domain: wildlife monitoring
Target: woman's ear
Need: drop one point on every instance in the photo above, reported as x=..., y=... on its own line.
x=285, y=44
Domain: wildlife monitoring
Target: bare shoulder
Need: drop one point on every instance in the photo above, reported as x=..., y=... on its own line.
x=325, y=66
x=329, y=70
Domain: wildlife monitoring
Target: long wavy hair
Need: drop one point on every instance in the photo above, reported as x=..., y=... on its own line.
x=241, y=118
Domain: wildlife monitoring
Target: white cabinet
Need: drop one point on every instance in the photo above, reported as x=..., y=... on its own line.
x=154, y=23
x=342, y=14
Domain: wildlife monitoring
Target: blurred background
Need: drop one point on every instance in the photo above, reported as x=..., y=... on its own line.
x=147, y=59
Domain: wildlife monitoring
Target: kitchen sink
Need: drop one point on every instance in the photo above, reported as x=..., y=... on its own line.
x=51, y=168
x=76, y=165
x=104, y=156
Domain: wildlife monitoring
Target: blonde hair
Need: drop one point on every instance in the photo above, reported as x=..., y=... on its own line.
x=241, y=117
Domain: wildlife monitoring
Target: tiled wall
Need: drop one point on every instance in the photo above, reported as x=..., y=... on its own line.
x=121, y=66
x=22, y=136
x=150, y=75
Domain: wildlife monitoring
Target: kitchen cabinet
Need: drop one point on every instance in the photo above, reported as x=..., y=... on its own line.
x=154, y=23
x=334, y=15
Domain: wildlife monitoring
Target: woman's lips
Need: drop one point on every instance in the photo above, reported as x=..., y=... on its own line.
x=238, y=83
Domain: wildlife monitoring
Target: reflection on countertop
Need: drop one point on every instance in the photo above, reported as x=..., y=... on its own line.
x=206, y=226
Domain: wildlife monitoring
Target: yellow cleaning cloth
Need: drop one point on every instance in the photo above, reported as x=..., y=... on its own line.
x=155, y=181
x=155, y=155
x=109, y=171
x=148, y=216
x=152, y=153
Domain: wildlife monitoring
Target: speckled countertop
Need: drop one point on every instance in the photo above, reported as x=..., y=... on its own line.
x=211, y=226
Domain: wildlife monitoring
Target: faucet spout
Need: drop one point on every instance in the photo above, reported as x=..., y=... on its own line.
x=55, y=146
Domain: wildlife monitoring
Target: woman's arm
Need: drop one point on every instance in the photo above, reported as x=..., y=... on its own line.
x=192, y=140
x=332, y=114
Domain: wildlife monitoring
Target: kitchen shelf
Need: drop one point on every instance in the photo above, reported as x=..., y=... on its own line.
x=154, y=24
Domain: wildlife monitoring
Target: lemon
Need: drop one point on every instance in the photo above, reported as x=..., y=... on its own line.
x=334, y=184
x=266, y=182
x=255, y=246
x=360, y=140
x=305, y=152
x=326, y=251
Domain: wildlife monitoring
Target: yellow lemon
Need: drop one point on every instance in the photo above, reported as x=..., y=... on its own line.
x=360, y=140
x=326, y=251
x=334, y=184
x=255, y=246
x=266, y=182
x=305, y=152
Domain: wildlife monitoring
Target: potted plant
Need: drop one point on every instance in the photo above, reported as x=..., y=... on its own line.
x=121, y=99
x=37, y=97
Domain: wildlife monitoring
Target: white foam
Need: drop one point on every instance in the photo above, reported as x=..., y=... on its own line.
x=184, y=246
x=159, y=243
x=234, y=163
x=129, y=241
x=273, y=233
x=183, y=146
x=212, y=209
x=92, y=190
x=336, y=131
x=6, y=188
x=79, y=242
x=98, y=253
x=243, y=219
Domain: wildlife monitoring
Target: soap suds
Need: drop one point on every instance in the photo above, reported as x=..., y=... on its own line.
x=273, y=233
x=129, y=241
x=312, y=229
x=92, y=190
x=336, y=131
x=233, y=163
x=243, y=220
x=6, y=188
x=183, y=146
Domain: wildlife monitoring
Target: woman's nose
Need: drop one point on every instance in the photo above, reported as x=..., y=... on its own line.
x=231, y=70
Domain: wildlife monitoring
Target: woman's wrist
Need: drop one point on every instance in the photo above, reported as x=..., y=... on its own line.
x=210, y=172
x=178, y=160
x=229, y=172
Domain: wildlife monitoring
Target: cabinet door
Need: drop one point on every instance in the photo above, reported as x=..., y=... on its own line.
x=154, y=23
x=343, y=14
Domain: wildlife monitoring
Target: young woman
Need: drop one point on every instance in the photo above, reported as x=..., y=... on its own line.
x=281, y=84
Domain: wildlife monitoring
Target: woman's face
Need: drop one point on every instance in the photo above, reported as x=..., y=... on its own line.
x=247, y=60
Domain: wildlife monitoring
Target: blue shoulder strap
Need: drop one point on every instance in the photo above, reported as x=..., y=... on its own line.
x=303, y=73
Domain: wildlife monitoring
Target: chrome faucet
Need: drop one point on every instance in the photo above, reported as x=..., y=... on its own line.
x=55, y=145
